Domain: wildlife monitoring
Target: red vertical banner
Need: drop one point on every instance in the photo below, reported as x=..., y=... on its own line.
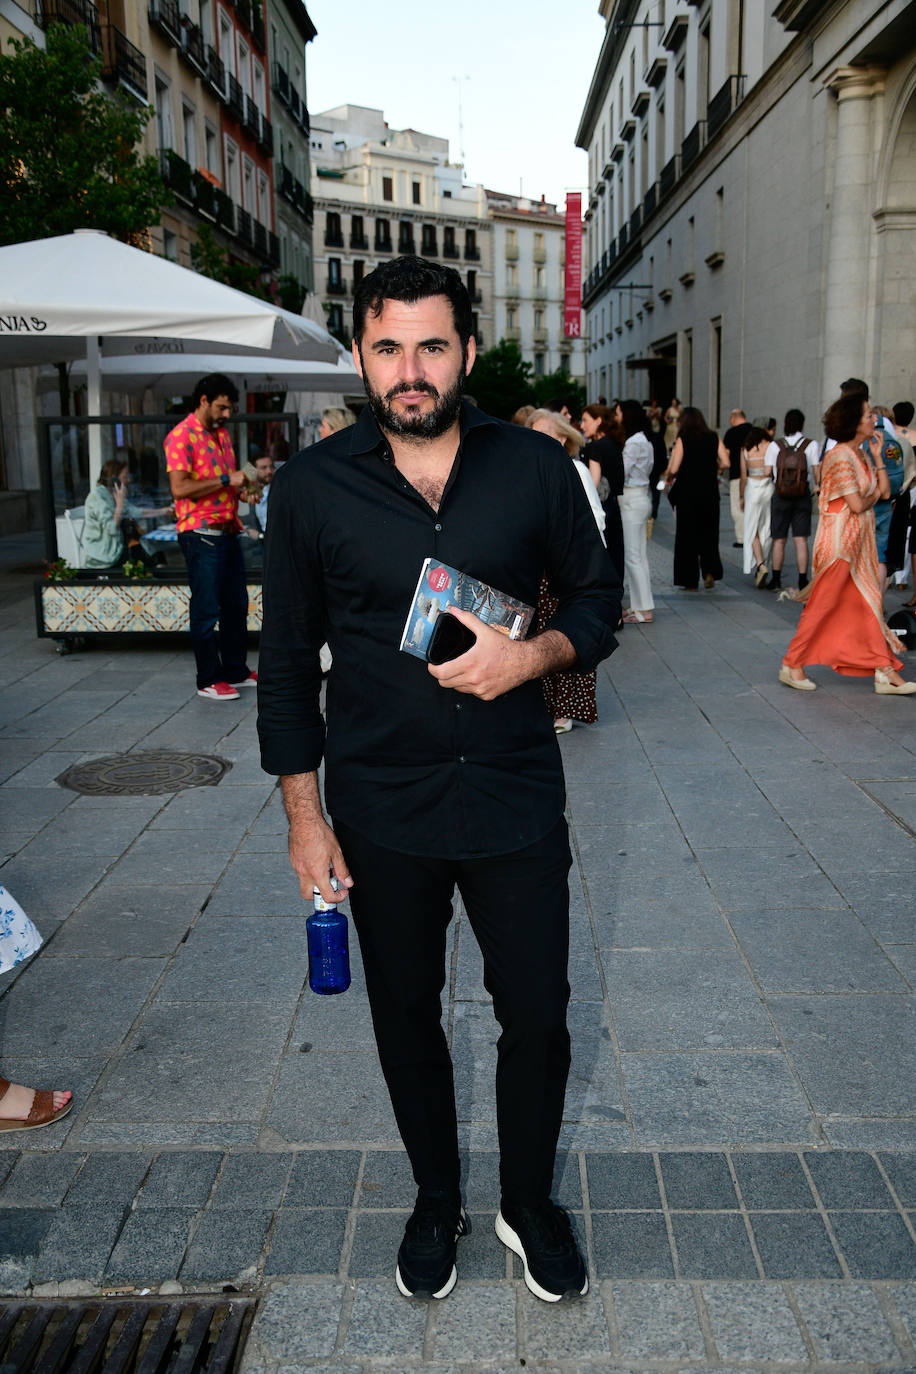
x=572, y=305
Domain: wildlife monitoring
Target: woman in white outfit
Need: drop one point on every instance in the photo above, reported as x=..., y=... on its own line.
x=569, y=696
x=635, y=508
x=756, y=493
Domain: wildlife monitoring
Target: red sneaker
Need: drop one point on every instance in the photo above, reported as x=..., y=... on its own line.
x=219, y=691
x=250, y=681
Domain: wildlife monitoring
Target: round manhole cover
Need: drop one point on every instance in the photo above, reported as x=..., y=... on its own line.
x=149, y=774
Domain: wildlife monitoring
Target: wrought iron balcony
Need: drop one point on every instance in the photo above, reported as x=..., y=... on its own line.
x=166, y=15
x=476, y=296
x=123, y=62
x=295, y=104
x=359, y=242
x=252, y=117
x=193, y=49
x=216, y=72
x=407, y=244
x=693, y=144
x=244, y=227
x=635, y=221
x=471, y=253
x=668, y=177
x=428, y=247
x=236, y=100
x=623, y=238
x=225, y=210
x=204, y=197
x=273, y=250
x=177, y=174
x=71, y=12
x=723, y=104
x=281, y=83
x=450, y=250
x=336, y=287
x=650, y=201
x=333, y=238
x=383, y=243
x=266, y=137
x=260, y=238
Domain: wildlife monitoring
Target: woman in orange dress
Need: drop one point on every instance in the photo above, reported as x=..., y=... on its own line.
x=842, y=624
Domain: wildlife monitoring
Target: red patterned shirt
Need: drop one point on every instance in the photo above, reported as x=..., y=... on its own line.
x=204, y=453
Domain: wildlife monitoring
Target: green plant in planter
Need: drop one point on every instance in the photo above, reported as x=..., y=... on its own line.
x=60, y=571
x=137, y=569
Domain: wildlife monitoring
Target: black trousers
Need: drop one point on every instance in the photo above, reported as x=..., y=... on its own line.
x=518, y=907
x=219, y=597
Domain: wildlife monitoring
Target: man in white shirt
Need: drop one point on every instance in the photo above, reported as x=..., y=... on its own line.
x=791, y=504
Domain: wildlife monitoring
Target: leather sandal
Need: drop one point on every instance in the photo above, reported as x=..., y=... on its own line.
x=41, y=1114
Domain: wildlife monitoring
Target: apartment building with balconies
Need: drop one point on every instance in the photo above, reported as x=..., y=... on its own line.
x=752, y=202
x=290, y=30
x=382, y=192
x=529, y=282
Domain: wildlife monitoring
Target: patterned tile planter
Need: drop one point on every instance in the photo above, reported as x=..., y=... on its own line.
x=121, y=605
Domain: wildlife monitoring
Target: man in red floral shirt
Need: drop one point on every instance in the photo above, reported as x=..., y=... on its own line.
x=205, y=485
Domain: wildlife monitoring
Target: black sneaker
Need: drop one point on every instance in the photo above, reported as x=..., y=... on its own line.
x=426, y=1259
x=543, y=1239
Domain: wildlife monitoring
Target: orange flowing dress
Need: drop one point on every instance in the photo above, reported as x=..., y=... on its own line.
x=842, y=624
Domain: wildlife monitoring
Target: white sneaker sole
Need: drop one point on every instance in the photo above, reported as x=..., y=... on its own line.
x=510, y=1239
x=442, y=1293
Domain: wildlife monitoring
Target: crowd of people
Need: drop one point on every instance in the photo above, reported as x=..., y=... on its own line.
x=627, y=453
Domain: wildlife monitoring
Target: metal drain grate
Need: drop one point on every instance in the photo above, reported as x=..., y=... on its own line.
x=144, y=774
x=124, y=1336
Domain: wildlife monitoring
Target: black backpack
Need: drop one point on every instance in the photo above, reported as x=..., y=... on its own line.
x=792, y=469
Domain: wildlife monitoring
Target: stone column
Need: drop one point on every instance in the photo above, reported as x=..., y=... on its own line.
x=850, y=247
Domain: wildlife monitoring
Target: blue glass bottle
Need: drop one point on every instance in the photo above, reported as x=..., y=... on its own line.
x=329, y=949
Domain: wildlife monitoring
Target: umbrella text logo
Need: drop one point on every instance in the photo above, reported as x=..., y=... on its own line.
x=18, y=324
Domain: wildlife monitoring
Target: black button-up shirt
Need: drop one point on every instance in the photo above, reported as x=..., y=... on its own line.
x=414, y=766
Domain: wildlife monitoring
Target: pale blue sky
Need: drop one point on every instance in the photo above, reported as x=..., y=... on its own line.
x=528, y=67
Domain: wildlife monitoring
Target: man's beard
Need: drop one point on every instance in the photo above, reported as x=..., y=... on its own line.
x=428, y=425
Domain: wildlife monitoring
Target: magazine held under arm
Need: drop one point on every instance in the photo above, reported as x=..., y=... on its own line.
x=441, y=586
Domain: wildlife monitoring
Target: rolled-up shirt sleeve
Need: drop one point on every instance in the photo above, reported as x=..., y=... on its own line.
x=579, y=570
x=291, y=728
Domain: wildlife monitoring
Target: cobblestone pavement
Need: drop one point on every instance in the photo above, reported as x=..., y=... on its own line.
x=739, y=1150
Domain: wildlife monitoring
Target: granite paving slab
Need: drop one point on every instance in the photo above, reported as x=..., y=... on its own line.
x=167, y=1073
x=247, y=959
x=855, y=1055
x=51, y=1010
x=744, y=1098
x=700, y=998
x=118, y=921
x=805, y=950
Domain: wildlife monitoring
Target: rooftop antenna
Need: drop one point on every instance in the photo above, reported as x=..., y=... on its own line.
x=458, y=80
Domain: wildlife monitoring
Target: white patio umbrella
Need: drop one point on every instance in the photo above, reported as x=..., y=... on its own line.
x=172, y=374
x=60, y=296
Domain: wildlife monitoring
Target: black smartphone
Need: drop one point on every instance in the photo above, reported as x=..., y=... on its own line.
x=449, y=639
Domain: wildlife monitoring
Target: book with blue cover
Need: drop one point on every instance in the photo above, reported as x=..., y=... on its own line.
x=440, y=587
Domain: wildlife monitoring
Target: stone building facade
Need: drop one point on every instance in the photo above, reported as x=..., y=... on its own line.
x=381, y=192
x=290, y=30
x=751, y=220
x=529, y=275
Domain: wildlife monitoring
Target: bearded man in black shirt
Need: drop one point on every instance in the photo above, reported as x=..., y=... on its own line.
x=444, y=776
